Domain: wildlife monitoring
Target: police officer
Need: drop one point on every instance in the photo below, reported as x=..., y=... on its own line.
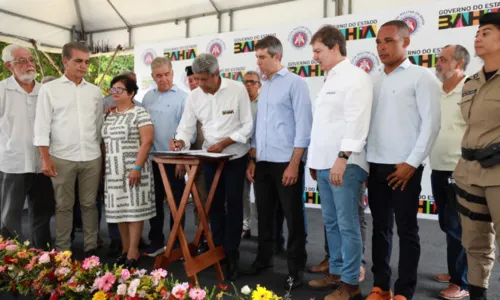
x=477, y=174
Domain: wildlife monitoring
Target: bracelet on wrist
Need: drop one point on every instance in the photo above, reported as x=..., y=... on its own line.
x=252, y=159
x=136, y=167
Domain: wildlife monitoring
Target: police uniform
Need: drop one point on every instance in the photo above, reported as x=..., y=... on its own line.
x=477, y=174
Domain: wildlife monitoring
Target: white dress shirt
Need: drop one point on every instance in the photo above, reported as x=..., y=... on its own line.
x=17, y=117
x=405, y=115
x=69, y=119
x=447, y=149
x=227, y=113
x=341, y=117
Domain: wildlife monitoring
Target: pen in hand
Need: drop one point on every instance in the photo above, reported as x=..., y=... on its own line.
x=175, y=144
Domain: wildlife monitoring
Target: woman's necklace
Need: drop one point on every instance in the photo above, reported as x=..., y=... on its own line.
x=122, y=112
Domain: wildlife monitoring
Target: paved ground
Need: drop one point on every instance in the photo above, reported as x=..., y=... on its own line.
x=432, y=261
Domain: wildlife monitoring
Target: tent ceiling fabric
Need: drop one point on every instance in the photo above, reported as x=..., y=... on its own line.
x=99, y=15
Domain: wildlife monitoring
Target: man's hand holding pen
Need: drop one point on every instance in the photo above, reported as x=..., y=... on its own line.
x=176, y=145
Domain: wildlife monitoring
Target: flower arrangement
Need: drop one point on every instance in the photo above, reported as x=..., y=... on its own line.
x=54, y=275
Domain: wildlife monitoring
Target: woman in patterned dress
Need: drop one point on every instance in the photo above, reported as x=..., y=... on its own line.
x=128, y=134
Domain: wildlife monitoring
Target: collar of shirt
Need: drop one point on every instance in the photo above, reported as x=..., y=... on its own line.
x=404, y=65
x=66, y=79
x=13, y=85
x=338, y=68
x=173, y=89
x=456, y=90
x=281, y=72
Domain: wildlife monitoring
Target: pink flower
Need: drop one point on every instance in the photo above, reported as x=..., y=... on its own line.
x=197, y=294
x=11, y=247
x=62, y=271
x=125, y=274
x=2, y=269
x=2, y=246
x=105, y=283
x=45, y=258
x=158, y=275
x=91, y=262
x=179, y=290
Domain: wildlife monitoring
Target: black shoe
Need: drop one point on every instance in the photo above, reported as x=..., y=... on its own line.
x=293, y=281
x=90, y=253
x=131, y=263
x=256, y=268
x=115, y=247
x=477, y=293
x=121, y=259
x=155, y=249
x=246, y=234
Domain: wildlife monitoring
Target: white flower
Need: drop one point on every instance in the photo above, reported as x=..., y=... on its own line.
x=122, y=289
x=132, y=290
x=245, y=290
x=135, y=283
x=26, y=243
x=80, y=288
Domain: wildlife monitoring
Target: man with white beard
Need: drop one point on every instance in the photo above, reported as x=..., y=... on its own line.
x=21, y=174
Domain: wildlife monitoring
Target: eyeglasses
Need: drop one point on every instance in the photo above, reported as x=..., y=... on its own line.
x=116, y=90
x=250, y=82
x=23, y=61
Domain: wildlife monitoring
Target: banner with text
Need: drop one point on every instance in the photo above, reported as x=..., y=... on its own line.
x=432, y=27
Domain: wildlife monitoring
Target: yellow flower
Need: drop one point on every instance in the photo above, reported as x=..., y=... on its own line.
x=100, y=296
x=219, y=295
x=261, y=293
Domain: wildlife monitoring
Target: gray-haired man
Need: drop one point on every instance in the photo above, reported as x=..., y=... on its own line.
x=223, y=107
x=21, y=175
x=165, y=104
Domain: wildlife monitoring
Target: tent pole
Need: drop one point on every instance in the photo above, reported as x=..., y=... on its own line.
x=33, y=42
x=52, y=63
x=109, y=65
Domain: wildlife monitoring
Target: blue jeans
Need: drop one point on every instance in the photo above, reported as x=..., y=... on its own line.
x=449, y=221
x=339, y=205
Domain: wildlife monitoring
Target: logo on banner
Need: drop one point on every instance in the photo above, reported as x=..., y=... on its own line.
x=424, y=57
x=148, y=56
x=465, y=16
x=247, y=44
x=413, y=19
x=427, y=205
x=299, y=37
x=358, y=30
x=366, y=61
x=306, y=68
x=235, y=73
x=181, y=53
x=216, y=47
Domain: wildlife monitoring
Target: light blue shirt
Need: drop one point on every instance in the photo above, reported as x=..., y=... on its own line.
x=406, y=115
x=166, y=110
x=284, y=117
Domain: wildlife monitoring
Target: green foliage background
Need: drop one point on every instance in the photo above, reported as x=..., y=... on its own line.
x=96, y=68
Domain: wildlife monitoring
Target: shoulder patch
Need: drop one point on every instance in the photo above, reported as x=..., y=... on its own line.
x=471, y=92
x=473, y=77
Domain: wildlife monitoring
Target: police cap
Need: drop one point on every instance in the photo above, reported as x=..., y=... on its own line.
x=189, y=71
x=490, y=18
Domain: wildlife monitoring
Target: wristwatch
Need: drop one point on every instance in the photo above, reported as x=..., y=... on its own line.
x=343, y=155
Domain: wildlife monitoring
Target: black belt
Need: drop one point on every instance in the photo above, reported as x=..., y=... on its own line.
x=469, y=197
x=487, y=157
x=472, y=215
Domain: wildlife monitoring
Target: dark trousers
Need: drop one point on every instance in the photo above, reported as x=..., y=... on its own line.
x=37, y=189
x=449, y=221
x=226, y=212
x=156, y=235
x=268, y=184
x=385, y=204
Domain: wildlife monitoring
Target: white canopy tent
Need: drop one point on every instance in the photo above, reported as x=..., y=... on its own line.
x=109, y=23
